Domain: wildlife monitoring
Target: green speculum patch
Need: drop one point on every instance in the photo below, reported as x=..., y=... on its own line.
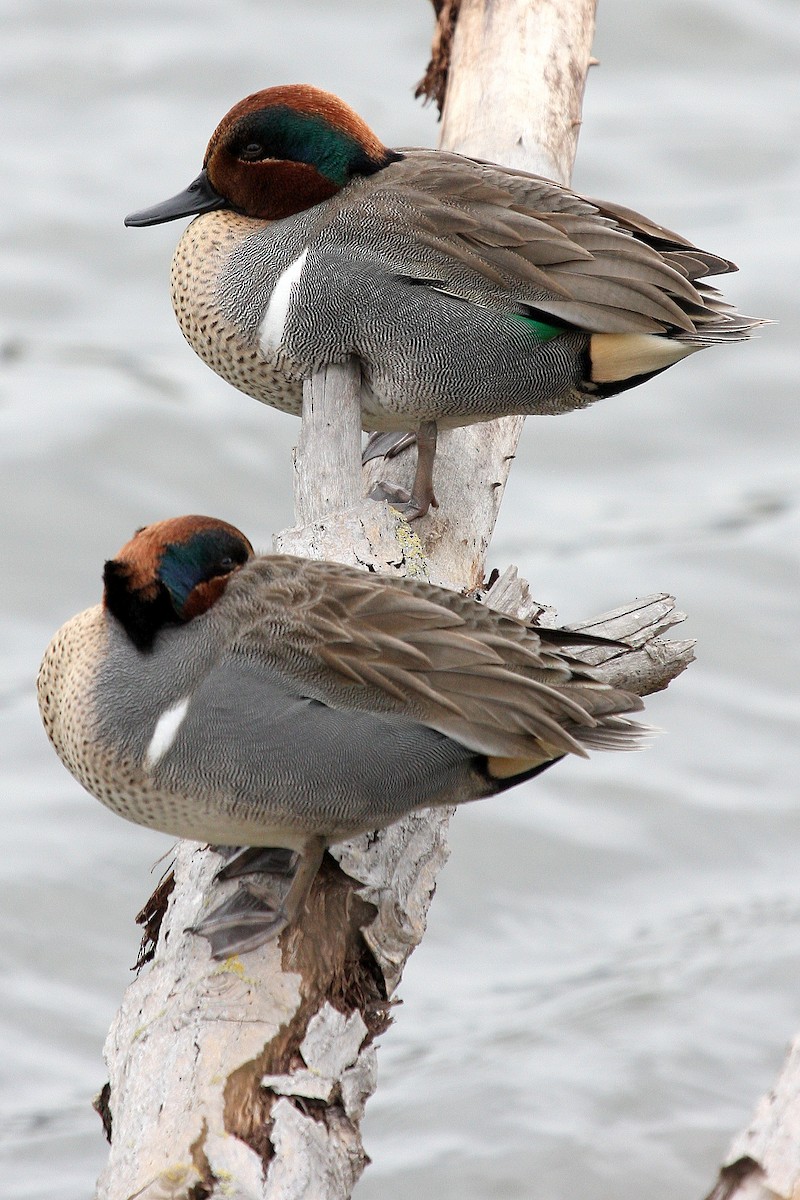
x=542, y=331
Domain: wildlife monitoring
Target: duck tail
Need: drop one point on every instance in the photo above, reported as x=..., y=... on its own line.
x=717, y=321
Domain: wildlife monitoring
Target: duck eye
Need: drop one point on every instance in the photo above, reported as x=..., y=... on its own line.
x=252, y=152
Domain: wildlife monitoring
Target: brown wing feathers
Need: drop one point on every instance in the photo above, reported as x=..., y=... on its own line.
x=426, y=654
x=599, y=266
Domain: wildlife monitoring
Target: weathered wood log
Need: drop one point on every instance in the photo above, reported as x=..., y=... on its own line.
x=249, y=1077
x=763, y=1162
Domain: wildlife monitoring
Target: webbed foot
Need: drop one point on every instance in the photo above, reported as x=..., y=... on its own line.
x=242, y=922
x=415, y=503
x=271, y=899
x=256, y=860
x=386, y=445
x=404, y=501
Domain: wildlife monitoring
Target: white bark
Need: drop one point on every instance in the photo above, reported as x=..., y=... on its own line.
x=516, y=81
x=327, y=460
x=248, y=1078
x=763, y=1162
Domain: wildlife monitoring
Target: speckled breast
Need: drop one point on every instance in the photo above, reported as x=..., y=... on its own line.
x=199, y=269
x=100, y=741
x=69, y=713
x=69, y=706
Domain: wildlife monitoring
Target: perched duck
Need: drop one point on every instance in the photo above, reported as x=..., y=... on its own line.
x=272, y=701
x=464, y=290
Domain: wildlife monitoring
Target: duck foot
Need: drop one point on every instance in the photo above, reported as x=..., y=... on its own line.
x=386, y=445
x=256, y=860
x=242, y=922
x=415, y=503
x=260, y=909
x=400, y=498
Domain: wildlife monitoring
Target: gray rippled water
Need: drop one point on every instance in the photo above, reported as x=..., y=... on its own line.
x=611, y=971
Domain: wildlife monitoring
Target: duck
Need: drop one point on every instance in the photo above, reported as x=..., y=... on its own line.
x=463, y=289
x=274, y=705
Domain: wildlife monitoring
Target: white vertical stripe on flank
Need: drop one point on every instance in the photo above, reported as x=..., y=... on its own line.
x=273, y=323
x=165, y=732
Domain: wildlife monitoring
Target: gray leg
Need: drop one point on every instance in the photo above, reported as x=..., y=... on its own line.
x=415, y=503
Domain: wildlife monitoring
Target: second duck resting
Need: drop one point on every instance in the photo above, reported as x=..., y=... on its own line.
x=465, y=290
x=281, y=702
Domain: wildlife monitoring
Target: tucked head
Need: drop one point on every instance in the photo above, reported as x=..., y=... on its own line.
x=276, y=153
x=170, y=572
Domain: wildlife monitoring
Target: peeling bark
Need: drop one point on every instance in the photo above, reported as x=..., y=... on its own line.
x=150, y=917
x=433, y=85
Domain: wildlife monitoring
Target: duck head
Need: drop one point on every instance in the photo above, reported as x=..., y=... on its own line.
x=170, y=572
x=276, y=153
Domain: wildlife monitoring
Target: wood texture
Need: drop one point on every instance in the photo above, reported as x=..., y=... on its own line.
x=327, y=461
x=521, y=107
x=763, y=1162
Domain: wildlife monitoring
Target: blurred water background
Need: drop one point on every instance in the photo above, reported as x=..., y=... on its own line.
x=612, y=969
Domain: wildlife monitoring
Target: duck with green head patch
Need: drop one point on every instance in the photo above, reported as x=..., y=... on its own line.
x=280, y=702
x=464, y=290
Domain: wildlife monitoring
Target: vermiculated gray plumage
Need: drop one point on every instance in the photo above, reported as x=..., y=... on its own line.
x=462, y=289
x=423, y=271
x=284, y=702
x=318, y=699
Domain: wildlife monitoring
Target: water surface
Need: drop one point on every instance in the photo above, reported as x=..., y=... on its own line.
x=610, y=976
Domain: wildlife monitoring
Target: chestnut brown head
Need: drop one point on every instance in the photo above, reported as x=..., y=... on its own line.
x=278, y=152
